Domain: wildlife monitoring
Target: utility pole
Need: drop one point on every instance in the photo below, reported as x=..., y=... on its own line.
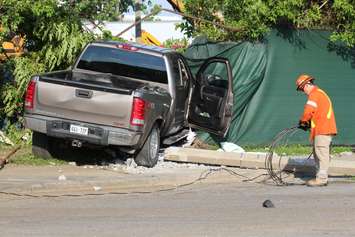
x=138, y=14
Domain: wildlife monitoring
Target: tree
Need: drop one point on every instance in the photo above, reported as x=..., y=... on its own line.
x=55, y=33
x=256, y=17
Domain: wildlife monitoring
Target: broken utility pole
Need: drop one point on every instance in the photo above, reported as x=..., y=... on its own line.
x=138, y=24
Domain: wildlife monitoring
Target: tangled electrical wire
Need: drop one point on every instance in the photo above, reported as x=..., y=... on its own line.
x=275, y=173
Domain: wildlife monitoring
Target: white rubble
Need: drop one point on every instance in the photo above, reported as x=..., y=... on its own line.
x=231, y=147
x=62, y=178
x=130, y=166
x=190, y=138
x=97, y=188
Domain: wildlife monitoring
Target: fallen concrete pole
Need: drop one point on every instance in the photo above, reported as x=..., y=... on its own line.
x=256, y=160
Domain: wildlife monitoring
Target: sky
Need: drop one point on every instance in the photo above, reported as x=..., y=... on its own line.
x=164, y=4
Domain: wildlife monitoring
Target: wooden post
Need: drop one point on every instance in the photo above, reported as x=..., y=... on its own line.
x=138, y=14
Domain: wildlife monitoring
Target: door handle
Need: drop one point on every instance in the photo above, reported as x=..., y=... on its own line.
x=83, y=93
x=201, y=91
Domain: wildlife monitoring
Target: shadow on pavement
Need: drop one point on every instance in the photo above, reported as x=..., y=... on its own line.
x=89, y=155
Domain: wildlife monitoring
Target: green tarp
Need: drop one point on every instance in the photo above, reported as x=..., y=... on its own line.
x=265, y=98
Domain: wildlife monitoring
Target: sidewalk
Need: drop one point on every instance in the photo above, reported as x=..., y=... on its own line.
x=72, y=180
x=167, y=175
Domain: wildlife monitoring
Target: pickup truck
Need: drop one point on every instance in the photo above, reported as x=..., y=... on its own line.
x=129, y=97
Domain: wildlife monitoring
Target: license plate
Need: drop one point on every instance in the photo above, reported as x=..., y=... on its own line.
x=79, y=130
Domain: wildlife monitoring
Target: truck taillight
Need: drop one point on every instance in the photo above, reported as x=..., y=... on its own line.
x=127, y=47
x=137, y=115
x=30, y=94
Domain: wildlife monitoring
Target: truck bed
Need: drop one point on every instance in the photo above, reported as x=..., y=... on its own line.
x=87, y=97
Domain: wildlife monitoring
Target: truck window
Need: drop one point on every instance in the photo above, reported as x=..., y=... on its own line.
x=184, y=77
x=179, y=71
x=124, y=63
x=216, y=75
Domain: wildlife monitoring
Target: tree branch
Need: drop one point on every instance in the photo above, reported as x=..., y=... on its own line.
x=230, y=28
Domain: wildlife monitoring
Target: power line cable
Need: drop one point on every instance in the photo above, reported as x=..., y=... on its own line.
x=276, y=174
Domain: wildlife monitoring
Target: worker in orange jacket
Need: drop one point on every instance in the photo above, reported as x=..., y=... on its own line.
x=318, y=115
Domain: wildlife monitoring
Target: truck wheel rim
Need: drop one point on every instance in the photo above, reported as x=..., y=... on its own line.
x=154, y=145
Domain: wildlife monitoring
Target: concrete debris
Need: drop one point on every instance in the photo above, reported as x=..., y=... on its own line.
x=96, y=188
x=62, y=178
x=161, y=156
x=131, y=163
x=73, y=163
x=6, y=140
x=130, y=166
x=160, y=167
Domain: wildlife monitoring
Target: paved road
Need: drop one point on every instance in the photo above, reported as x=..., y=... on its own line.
x=198, y=210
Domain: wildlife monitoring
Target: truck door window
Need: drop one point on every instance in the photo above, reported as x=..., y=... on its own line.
x=175, y=70
x=216, y=75
x=184, y=77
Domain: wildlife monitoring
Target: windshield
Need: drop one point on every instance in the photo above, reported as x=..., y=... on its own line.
x=124, y=63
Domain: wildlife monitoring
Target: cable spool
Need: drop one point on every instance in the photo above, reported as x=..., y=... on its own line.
x=280, y=140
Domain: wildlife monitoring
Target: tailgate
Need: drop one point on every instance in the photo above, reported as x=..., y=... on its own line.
x=85, y=103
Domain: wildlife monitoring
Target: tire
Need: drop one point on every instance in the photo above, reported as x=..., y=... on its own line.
x=149, y=154
x=41, y=145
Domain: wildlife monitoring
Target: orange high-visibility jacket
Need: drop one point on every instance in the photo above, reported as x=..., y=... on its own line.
x=319, y=111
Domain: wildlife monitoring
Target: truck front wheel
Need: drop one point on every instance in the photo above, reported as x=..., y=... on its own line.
x=149, y=154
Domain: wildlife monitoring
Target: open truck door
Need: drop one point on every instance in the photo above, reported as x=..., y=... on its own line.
x=211, y=97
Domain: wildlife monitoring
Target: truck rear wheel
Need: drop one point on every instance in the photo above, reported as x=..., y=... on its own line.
x=149, y=154
x=41, y=145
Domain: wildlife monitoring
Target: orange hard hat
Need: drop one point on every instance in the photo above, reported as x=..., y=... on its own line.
x=302, y=80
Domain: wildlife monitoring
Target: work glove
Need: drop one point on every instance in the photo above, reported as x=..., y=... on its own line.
x=304, y=125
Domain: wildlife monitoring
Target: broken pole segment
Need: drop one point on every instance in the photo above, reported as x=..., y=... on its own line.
x=255, y=160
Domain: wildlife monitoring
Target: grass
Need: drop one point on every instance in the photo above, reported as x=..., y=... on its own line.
x=24, y=156
x=296, y=149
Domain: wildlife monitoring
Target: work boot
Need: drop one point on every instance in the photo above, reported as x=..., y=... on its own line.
x=317, y=182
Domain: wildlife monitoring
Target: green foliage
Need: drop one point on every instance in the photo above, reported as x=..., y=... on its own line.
x=64, y=41
x=180, y=45
x=254, y=18
x=107, y=35
x=17, y=135
x=13, y=91
x=55, y=33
